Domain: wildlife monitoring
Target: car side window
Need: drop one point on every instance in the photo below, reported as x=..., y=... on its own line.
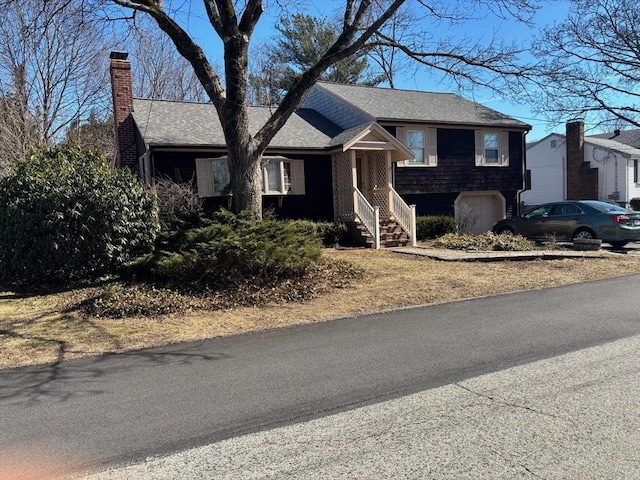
x=573, y=210
x=541, y=211
x=566, y=209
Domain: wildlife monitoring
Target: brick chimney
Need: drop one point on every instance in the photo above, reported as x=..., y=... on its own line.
x=582, y=180
x=122, y=92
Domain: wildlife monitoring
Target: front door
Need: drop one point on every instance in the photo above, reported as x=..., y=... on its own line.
x=373, y=179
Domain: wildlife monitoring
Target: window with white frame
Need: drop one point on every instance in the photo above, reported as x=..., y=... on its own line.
x=416, y=141
x=281, y=176
x=492, y=148
x=635, y=171
x=491, y=144
x=212, y=175
x=220, y=175
x=422, y=142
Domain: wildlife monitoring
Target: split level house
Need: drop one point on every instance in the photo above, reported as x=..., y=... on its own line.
x=373, y=158
x=578, y=167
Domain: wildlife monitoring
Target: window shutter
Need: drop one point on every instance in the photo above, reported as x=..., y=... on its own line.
x=401, y=135
x=265, y=178
x=432, y=135
x=204, y=175
x=504, y=148
x=297, y=177
x=479, y=148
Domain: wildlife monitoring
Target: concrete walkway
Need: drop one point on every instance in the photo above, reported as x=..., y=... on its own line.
x=450, y=255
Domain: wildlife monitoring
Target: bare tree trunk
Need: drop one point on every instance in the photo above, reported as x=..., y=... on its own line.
x=245, y=179
x=244, y=157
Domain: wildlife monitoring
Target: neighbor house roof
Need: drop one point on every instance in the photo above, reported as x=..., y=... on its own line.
x=385, y=104
x=628, y=137
x=166, y=123
x=598, y=141
x=623, y=149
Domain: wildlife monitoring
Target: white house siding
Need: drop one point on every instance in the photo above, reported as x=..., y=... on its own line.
x=548, y=170
x=548, y=177
x=612, y=183
x=633, y=188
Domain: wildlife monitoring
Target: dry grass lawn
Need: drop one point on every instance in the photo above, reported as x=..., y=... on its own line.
x=39, y=330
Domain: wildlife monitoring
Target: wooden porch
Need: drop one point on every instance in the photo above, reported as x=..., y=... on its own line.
x=364, y=197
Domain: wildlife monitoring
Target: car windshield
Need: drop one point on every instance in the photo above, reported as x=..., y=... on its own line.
x=606, y=207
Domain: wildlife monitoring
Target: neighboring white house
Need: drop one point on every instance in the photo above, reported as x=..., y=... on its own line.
x=614, y=164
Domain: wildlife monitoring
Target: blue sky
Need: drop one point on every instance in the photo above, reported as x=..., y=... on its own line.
x=551, y=11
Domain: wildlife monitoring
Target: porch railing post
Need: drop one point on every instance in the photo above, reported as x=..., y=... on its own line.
x=414, y=235
x=376, y=215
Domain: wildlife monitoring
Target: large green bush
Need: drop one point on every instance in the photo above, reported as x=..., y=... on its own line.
x=226, y=251
x=434, y=226
x=635, y=203
x=65, y=215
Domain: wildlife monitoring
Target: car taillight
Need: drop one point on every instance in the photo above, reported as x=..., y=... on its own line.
x=620, y=219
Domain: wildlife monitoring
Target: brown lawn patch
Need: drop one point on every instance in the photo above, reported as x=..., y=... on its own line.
x=39, y=329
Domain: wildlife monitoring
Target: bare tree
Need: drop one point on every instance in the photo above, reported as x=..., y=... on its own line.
x=592, y=63
x=95, y=133
x=160, y=71
x=60, y=54
x=17, y=126
x=463, y=60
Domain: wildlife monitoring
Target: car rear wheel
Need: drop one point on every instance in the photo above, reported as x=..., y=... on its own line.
x=584, y=234
x=618, y=244
x=505, y=231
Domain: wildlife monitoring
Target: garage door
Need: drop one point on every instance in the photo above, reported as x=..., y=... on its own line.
x=478, y=212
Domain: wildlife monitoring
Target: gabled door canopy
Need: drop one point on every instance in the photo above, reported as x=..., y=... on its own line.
x=373, y=137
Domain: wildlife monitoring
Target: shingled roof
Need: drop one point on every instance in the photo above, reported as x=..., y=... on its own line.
x=166, y=123
x=628, y=137
x=386, y=104
x=169, y=123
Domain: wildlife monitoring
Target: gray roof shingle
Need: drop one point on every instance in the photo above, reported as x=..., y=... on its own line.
x=628, y=137
x=165, y=123
x=412, y=105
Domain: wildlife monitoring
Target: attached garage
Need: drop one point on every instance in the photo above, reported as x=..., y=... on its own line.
x=477, y=212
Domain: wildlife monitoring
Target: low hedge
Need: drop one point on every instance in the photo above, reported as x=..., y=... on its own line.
x=434, y=226
x=485, y=242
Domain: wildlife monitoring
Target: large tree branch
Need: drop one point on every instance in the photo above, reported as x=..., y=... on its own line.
x=250, y=17
x=214, y=17
x=187, y=48
x=345, y=46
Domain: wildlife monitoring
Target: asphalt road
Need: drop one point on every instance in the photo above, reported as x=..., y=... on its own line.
x=93, y=413
x=574, y=416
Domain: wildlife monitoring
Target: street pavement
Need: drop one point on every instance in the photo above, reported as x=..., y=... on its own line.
x=575, y=416
x=94, y=413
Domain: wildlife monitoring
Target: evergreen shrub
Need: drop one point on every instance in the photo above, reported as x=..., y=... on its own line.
x=225, y=251
x=65, y=216
x=635, y=203
x=330, y=233
x=434, y=226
